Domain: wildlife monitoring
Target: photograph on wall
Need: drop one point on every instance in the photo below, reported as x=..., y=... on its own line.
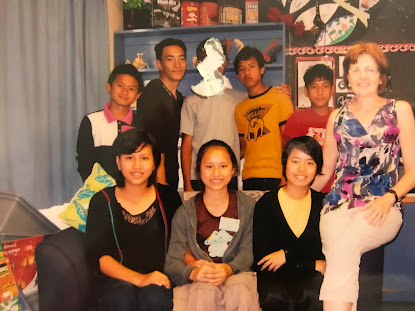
x=302, y=64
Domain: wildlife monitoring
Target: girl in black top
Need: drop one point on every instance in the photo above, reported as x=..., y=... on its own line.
x=127, y=231
x=286, y=239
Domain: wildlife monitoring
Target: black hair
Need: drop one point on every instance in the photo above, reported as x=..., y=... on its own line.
x=217, y=144
x=306, y=144
x=168, y=42
x=126, y=69
x=318, y=72
x=247, y=53
x=127, y=143
x=201, y=51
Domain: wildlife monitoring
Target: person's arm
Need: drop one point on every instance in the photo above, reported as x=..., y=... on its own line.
x=85, y=149
x=186, y=159
x=282, y=128
x=377, y=210
x=99, y=237
x=240, y=128
x=330, y=155
x=285, y=112
x=212, y=273
x=264, y=237
x=161, y=171
x=243, y=259
x=175, y=266
x=285, y=89
x=112, y=268
x=290, y=129
x=102, y=251
x=242, y=145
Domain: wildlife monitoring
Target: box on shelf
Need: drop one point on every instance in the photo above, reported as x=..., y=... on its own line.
x=230, y=12
x=190, y=13
x=137, y=18
x=251, y=12
x=166, y=13
x=208, y=13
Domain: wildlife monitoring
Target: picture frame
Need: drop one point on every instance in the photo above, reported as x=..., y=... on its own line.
x=302, y=64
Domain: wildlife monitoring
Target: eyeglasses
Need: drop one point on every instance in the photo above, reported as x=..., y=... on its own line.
x=367, y=70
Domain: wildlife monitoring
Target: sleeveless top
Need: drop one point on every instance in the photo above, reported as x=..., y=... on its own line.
x=368, y=160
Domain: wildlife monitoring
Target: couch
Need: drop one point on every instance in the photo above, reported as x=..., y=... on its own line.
x=65, y=278
x=64, y=275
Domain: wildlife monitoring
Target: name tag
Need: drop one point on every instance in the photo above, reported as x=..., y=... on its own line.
x=229, y=224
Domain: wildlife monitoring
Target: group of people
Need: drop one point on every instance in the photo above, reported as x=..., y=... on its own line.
x=296, y=248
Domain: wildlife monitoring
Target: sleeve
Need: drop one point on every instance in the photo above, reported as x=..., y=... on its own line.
x=286, y=108
x=238, y=121
x=148, y=109
x=171, y=200
x=291, y=127
x=85, y=149
x=298, y=259
x=175, y=267
x=263, y=241
x=99, y=236
x=187, y=121
x=244, y=258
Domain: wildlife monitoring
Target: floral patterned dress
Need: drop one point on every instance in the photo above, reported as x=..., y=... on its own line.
x=368, y=158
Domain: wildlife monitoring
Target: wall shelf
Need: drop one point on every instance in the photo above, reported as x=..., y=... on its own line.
x=128, y=43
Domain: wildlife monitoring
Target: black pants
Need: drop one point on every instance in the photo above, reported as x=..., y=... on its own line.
x=260, y=183
x=371, y=280
x=277, y=293
x=197, y=185
x=117, y=295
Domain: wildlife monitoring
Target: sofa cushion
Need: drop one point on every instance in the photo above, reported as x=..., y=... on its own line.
x=76, y=213
x=64, y=274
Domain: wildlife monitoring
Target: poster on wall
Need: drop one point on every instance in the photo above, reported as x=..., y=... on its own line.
x=302, y=64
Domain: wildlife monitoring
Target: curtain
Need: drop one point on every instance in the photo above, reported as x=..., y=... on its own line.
x=54, y=62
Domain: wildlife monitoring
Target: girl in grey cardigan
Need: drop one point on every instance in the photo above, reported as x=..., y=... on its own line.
x=210, y=252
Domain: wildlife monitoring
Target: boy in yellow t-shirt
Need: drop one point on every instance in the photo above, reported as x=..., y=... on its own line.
x=260, y=119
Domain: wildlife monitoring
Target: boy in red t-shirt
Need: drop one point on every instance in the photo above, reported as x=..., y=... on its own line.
x=312, y=121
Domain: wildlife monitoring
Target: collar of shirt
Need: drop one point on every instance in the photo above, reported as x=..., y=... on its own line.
x=110, y=117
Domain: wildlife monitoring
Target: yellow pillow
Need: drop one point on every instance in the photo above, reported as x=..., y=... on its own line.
x=76, y=212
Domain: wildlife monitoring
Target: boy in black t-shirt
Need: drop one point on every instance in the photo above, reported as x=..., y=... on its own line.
x=160, y=104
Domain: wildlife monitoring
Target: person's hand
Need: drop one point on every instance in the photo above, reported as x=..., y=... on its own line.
x=201, y=274
x=285, y=89
x=376, y=211
x=190, y=260
x=321, y=266
x=219, y=274
x=201, y=262
x=273, y=261
x=156, y=278
x=212, y=273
